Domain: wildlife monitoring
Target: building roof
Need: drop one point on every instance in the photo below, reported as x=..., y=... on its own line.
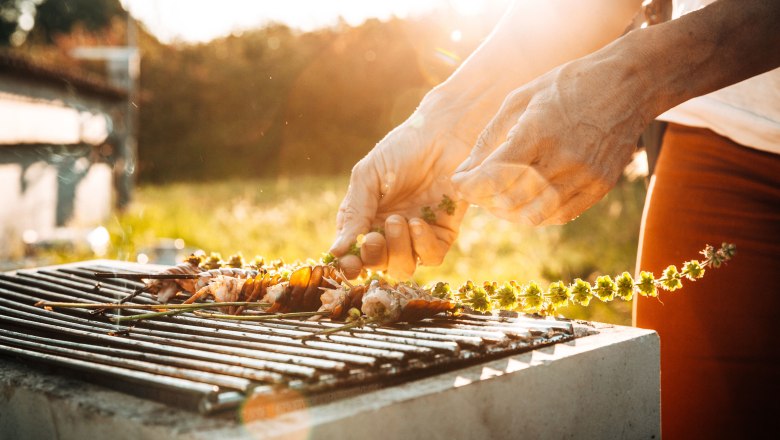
x=66, y=77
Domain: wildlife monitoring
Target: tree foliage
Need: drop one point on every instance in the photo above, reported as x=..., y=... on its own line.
x=52, y=17
x=267, y=102
x=279, y=102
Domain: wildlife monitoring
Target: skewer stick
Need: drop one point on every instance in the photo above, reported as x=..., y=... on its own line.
x=119, y=319
x=148, y=306
x=260, y=317
x=148, y=276
x=356, y=323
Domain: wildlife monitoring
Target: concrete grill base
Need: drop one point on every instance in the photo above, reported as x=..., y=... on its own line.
x=605, y=385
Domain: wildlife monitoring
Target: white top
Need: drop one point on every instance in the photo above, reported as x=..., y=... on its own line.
x=747, y=112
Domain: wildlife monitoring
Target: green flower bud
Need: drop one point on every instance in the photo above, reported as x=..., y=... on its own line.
x=625, y=286
x=506, y=297
x=353, y=314
x=195, y=260
x=671, y=280
x=581, y=292
x=354, y=249
x=284, y=274
x=479, y=300
x=490, y=287
x=441, y=290
x=235, y=261
x=213, y=261
x=532, y=297
x=558, y=294
x=714, y=257
x=729, y=250
x=605, y=288
x=693, y=270
x=646, y=284
x=328, y=258
x=466, y=289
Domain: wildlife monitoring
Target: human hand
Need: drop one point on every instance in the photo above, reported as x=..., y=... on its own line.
x=558, y=144
x=401, y=181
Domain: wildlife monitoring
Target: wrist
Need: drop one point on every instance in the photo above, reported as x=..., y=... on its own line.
x=460, y=107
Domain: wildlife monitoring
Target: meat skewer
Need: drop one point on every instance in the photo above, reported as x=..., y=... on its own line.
x=187, y=277
x=385, y=304
x=402, y=303
x=302, y=291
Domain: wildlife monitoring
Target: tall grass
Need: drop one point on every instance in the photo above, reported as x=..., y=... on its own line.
x=295, y=219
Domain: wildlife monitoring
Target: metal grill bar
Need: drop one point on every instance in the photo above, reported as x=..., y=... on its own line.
x=213, y=364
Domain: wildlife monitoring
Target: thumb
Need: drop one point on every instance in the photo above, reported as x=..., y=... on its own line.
x=496, y=131
x=358, y=208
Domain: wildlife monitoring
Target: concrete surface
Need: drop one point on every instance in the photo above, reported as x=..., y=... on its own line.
x=603, y=386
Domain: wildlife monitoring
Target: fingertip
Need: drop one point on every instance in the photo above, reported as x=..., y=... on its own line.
x=340, y=246
x=401, y=262
x=427, y=245
x=351, y=266
x=373, y=252
x=395, y=226
x=464, y=166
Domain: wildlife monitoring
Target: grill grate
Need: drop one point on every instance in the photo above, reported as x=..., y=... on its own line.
x=211, y=365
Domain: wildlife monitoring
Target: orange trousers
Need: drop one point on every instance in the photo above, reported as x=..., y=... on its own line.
x=720, y=335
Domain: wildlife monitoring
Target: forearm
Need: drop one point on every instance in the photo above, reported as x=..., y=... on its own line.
x=533, y=37
x=703, y=51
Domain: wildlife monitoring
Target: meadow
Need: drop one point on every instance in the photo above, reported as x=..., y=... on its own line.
x=294, y=219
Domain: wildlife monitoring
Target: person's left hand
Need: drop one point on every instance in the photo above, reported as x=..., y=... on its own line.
x=400, y=182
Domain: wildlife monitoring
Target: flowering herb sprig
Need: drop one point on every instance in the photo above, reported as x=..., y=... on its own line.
x=531, y=298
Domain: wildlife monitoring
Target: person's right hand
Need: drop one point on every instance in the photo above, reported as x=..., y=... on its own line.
x=559, y=143
x=406, y=173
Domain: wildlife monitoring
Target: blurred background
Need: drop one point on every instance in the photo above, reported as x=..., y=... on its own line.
x=145, y=130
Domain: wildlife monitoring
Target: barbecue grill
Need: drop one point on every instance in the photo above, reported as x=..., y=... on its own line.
x=495, y=376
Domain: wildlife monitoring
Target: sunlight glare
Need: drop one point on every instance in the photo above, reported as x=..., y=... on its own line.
x=98, y=240
x=456, y=36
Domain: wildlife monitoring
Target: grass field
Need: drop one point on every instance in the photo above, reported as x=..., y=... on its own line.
x=295, y=220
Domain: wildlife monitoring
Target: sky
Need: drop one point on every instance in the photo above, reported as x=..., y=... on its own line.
x=203, y=20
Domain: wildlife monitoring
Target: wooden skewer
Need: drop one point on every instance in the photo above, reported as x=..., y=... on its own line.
x=260, y=317
x=148, y=276
x=149, y=306
x=119, y=319
x=360, y=322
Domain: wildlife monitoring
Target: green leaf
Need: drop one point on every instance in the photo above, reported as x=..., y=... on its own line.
x=427, y=214
x=447, y=205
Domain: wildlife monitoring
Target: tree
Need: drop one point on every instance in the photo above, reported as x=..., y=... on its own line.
x=47, y=18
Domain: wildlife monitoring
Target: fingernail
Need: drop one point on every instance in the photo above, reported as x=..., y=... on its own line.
x=463, y=166
x=335, y=248
x=394, y=229
x=417, y=228
x=373, y=248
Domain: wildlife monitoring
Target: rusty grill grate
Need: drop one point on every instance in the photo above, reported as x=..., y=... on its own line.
x=209, y=365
